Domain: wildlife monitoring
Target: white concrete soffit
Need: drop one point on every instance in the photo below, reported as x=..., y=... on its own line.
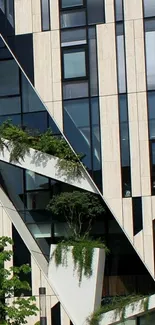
x=95, y=188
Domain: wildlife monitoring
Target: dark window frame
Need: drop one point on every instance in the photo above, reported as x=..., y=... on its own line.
x=73, y=7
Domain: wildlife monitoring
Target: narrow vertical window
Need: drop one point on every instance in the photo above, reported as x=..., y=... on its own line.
x=95, y=11
x=118, y=10
x=45, y=15
x=93, y=61
x=125, y=147
x=137, y=215
x=150, y=50
x=2, y=5
x=151, y=113
x=121, y=58
x=10, y=11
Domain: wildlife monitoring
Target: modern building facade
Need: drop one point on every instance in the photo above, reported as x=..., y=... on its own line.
x=86, y=69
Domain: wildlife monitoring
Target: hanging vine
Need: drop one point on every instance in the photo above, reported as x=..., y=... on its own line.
x=82, y=254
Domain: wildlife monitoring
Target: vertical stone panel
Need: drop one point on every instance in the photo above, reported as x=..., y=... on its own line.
x=36, y=16
x=133, y=9
x=109, y=11
x=23, y=16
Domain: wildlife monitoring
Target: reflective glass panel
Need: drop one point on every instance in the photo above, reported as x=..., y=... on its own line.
x=74, y=64
x=149, y=8
x=30, y=100
x=96, y=134
x=73, y=19
x=118, y=10
x=125, y=144
x=45, y=14
x=95, y=11
x=71, y=3
x=123, y=108
x=35, y=121
x=35, y=181
x=121, y=64
x=10, y=11
x=73, y=37
x=10, y=105
x=9, y=78
x=2, y=5
x=93, y=61
x=77, y=127
x=151, y=104
x=15, y=119
x=37, y=200
x=150, y=57
x=75, y=90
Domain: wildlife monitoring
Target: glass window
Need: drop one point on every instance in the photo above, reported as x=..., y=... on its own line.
x=121, y=58
x=71, y=3
x=95, y=11
x=10, y=11
x=10, y=105
x=151, y=112
x=73, y=37
x=137, y=214
x=45, y=15
x=12, y=176
x=93, y=61
x=52, y=125
x=125, y=144
x=35, y=181
x=35, y=121
x=73, y=19
x=96, y=134
x=74, y=63
x=149, y=8
x=15, y=119
x=75, y=90
x=30, y=100
x=2, y=5
x=37, y=200
x=77, y=129
x=9, y=78
x=150, y=57
x=123, y=108
x=118, y=10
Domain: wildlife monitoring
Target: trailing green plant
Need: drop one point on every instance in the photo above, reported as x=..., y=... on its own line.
x=21, y=140
x=37, y=323
x=79, y=209
x=82, y=253
x=118, y=304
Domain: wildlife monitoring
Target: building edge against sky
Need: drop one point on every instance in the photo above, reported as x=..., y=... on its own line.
x=92, y=64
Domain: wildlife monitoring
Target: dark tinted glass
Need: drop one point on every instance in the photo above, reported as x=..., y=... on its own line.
x=30, y=99
x=149, y=8
x=75, y=90
x=35, y=121
x=93, y=61
x=15, y=119
x=77, y=129
x=118, y=10
x=9, y=78
x=96, y=134
x=137, y=214
x=35, y=181
x=71, y=3
x=123, y=108
x=10, y=105
x=73, y=19
x=52, y=126
x=73, y=37
x=121, y=64
x=45, y=15
x=10, y=11
x=95, y=11
x=55, y=314
x=2, y=5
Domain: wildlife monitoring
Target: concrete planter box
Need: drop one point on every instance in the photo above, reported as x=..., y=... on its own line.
x=78, y=301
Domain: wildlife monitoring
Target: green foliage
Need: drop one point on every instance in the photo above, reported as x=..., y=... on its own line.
x=82, y=254
x=16, y=312
x=118, y=304
x=79, y=209
x=20, y=142
x=37, y=323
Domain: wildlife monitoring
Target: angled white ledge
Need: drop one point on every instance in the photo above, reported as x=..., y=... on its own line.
x=47, y=165
x=132, y=310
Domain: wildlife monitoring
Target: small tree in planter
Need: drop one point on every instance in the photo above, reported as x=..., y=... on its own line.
x=79, y=209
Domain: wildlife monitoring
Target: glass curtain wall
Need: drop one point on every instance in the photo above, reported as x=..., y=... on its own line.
x=80, y=80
